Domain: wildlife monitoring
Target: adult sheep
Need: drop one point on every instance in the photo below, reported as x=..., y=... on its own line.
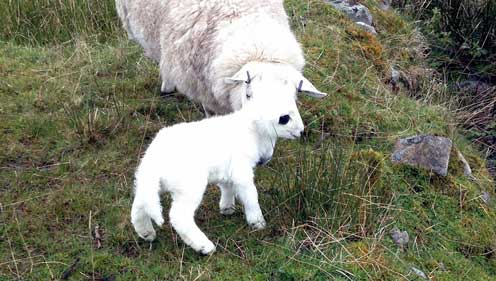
x=206, y=49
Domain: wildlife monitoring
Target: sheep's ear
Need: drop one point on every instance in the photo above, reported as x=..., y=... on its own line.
x=306, y=87
x=241, y=76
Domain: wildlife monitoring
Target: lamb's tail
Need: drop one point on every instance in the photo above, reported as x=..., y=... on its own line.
x=146, y=207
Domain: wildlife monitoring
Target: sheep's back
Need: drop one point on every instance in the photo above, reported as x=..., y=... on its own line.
x=191, y=43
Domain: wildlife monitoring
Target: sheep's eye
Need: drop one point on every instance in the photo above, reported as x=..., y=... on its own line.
x=283, y=120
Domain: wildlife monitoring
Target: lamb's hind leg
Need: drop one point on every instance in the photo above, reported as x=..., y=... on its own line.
x=182, y=214
x=227, y=200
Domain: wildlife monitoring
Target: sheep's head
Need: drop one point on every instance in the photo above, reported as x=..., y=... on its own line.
x=271, y=90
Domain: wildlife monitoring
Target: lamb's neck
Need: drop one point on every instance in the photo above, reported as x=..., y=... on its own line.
x=265, y=141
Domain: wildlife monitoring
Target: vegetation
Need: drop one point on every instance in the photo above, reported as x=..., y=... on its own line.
x=80, y=103
x=462, y=46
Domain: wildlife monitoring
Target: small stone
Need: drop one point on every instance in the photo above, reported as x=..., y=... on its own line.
x=385, y=5
x=486, y=197
x=400, y=238
x=395, y=76
x=357, y=13
x=367, y=27
x=426, y=151
x=419, y=273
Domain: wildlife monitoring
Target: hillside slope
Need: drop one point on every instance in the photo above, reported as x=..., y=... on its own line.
x=76, y=116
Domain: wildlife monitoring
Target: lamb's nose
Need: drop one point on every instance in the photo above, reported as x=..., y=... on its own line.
x=302, y=132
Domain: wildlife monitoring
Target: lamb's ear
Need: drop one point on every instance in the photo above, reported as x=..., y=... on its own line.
x=306, y=87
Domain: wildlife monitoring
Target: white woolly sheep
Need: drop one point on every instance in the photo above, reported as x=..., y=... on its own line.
x=221, y=150
x=198, y=44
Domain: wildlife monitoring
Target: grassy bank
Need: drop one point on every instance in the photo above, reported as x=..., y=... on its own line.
x=78, y=110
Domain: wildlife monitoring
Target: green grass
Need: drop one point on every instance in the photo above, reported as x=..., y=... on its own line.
x=76, y=117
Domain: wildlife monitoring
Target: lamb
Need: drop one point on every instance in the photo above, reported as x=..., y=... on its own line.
x=222, y=150
x=205, y=47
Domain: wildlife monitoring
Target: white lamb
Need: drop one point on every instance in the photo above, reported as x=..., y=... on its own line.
x=223, y=150
x=200, y=43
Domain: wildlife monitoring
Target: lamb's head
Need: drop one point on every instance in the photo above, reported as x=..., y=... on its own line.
x=270, y=90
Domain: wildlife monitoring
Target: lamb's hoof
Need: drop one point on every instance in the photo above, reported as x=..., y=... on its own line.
x=148, y=235
x=228, y=211
x=208, y=249
x=258, y=225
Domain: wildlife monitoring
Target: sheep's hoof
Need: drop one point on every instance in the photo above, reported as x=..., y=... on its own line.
x=228, y=211
x=207, y=250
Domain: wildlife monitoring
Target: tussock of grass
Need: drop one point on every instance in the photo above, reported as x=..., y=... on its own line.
x=77, y=116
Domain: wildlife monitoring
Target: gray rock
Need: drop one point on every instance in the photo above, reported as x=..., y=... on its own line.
x=367, y=27
x=426, y=151
x=419, y=273
x=395, y=76
x=400, y=238
x=356, y=12
x=486, y=197
x=385, y=5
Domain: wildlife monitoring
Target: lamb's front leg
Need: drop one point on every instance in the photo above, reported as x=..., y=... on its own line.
x=227, y=201
x=246, y=192
x=182, y=214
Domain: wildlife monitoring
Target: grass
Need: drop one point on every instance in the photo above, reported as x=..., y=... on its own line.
x=78, y=111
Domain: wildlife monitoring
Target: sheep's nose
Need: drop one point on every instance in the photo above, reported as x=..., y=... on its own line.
x=302, y=132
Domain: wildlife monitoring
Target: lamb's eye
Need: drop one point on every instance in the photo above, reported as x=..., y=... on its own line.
x=283, y=120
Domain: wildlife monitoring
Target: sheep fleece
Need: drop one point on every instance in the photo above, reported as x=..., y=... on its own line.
x=200, y=43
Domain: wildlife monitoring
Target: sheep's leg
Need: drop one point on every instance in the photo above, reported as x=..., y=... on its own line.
x=182, y=214
x=146, y=206
x=207, y=112
x=227, y=200
x=167, y=87
x=247, y=194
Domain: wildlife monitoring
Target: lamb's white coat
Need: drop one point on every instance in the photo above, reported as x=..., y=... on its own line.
x=224, y=150
x=200, y=43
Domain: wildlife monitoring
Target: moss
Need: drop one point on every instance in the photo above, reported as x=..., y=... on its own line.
x=367, y=44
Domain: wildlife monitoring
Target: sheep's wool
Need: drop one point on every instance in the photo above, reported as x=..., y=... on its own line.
x=198, y=44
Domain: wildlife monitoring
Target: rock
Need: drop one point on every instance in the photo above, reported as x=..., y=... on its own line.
x=367, y=27
x=356, y=12
x=395, y=76
x=486, y=197
x=419, y=273
x=426, y=151
x=395, y=79
x=385, y=5
x=400, y=238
